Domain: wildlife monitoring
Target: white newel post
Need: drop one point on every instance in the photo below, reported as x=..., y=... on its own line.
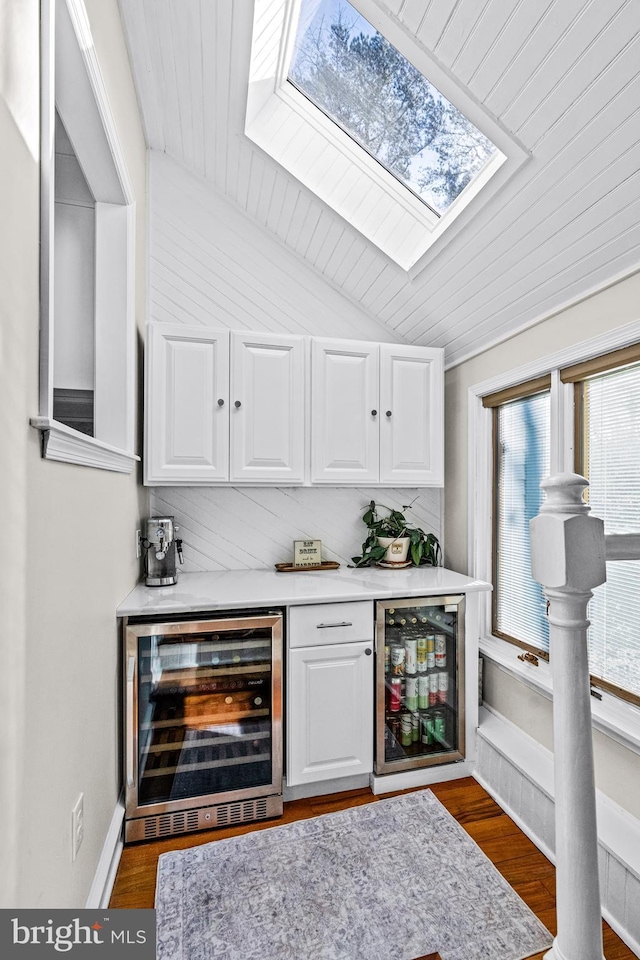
x=568, y=560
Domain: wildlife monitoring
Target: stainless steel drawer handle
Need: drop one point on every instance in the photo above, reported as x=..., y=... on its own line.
x=343, y=623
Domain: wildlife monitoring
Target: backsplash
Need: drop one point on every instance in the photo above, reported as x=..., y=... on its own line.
x=235, y=528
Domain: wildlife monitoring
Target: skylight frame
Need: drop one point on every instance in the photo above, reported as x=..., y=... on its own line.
x=278, y=115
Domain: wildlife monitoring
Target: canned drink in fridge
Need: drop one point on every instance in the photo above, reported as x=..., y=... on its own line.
x=393, y=723
x=387, y=657
x=415, y=727
x=423, y=692
x=421, y=654
x=410, y=656
x=438, y=726
x=443, y=686
x=395, y=694
x=431, y=654
x=433, y=689
x=440, y=651
x=426, y=731
x=411, y=692
x=397, y=660
x=405, y=729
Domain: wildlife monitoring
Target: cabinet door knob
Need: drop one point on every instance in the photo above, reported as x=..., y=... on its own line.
x=388, y=413
x=368, y=651
x=238, y=404
x=374, y=413
x=221, y=402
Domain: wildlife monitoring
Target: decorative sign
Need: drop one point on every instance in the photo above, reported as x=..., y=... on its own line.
x=307, y=553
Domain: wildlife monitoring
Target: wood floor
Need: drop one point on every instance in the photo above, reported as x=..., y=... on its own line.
x=530, y=874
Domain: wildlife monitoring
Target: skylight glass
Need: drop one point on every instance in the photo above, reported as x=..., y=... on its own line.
x=362, y=83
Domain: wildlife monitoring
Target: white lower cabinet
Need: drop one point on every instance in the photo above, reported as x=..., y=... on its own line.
x=330, y=687
x=331, y=712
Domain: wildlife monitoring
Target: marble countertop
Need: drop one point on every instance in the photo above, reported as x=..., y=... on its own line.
x=236, y=589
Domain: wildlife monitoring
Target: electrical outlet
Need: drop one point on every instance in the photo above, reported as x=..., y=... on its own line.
x=138, y=544
x=77, y=826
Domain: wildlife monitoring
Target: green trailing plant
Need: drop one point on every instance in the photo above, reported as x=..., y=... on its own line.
x=424, y=548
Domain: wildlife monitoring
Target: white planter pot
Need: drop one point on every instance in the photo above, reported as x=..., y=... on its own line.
x=397, y=548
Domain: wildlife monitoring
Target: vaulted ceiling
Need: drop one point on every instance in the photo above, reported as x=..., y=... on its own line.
x=560, y=76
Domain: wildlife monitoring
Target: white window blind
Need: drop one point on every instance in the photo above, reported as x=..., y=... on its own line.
x=611, y=438
x=522, y=437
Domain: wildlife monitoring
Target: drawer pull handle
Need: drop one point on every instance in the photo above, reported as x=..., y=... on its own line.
x=343, y=623
x=368, y=651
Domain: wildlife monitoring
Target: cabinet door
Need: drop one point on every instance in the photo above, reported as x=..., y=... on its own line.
x=267, y=408
x=187, y=408
x=330, y=718
x=411, y=415
x=344, y=411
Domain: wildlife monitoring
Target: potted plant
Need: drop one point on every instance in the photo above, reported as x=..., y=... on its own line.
x=389, y=532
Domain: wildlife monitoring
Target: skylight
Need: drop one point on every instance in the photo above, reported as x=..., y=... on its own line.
x=375, y=95
x=338, y=97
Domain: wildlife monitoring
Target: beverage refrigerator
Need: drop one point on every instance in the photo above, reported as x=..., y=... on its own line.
x=420, y=683
x=203, y=722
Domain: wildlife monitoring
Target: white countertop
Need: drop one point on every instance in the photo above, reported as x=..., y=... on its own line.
x=235, y=589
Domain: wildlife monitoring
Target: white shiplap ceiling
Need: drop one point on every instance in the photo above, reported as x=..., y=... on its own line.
x=561, y=76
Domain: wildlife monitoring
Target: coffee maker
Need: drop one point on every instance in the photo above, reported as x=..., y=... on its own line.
x=161, y=546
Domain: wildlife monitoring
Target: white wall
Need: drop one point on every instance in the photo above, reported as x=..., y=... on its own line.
x=617, y=768
x=210, y=264
x=67, y=556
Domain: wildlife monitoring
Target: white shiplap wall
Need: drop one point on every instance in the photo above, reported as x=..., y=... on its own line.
x=212, y=265
x=561, y=76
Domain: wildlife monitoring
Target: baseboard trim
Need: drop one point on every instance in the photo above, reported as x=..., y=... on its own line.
x=320, y=788
x=422, y=777
x=105, y=875
x=518, y=773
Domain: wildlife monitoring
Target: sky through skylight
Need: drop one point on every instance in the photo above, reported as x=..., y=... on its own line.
x=362, y=83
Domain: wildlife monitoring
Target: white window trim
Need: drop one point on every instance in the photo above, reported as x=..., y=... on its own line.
x=115, y=367
x=612, y=716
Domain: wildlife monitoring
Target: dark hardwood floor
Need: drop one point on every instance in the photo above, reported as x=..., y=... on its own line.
x=528, y=871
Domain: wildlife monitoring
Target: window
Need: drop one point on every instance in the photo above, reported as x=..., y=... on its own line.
x=87, y=335
x=358, y=79
x=521, y=439
x=589, y=413
x=74, y=289
x=608, y=455
x=338, y=97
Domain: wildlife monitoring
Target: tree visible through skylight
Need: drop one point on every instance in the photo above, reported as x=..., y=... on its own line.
x=356, y=77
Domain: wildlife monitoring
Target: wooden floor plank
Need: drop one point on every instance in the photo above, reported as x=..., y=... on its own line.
x=523, y=866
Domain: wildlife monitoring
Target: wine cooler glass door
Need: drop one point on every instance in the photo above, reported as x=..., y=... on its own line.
x=420, y=682
x=205, y=711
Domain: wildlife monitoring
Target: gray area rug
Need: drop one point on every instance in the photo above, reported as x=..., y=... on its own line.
x=389, y=880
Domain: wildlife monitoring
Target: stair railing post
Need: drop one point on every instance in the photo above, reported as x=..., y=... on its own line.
x=568, y=560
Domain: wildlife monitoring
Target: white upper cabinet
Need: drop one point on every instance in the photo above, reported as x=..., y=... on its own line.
x=344, y=411
x=267, y=410
x=377, y=413
x=224, y=407
x=187, y=408
x=411, y=415
x=234, y=408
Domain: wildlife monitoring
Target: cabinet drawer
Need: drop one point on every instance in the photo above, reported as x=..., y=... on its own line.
x=319, y=624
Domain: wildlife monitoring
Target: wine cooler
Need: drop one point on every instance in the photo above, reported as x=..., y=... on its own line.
x=203, y=723
x=419, y=683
